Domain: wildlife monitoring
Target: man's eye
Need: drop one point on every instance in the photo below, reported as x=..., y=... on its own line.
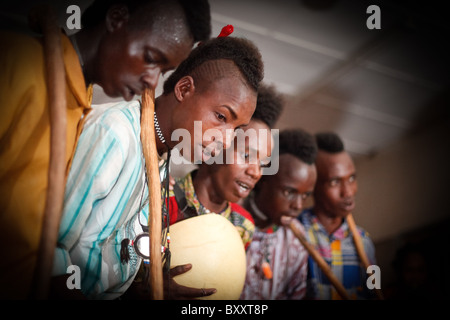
x=306, y=195
x=220, y=116
x=334, y=182
x=244, y=155
x=149, y=59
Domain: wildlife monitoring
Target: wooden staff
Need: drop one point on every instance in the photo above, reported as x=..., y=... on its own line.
x=323, y=265
x=154, y=192
x=360, y=248
x=44, y=20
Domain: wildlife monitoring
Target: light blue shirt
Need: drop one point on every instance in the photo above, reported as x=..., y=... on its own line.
x=104, y=191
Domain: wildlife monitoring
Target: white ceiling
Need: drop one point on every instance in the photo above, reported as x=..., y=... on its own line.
x=370, y=86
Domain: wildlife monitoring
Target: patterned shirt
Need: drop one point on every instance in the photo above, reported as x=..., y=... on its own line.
x=287, y=258
x=237, y=215
x=339, y=252
x=105, y=189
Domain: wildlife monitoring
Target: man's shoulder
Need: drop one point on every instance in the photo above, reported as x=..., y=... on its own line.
x=242, y=212
x=116, y=115
x=364, y=234
x=306, y=216
x=117, y=123
x=12, y=40
x=22, y=58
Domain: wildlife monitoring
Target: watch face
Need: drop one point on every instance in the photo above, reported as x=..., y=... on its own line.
x=142, y=245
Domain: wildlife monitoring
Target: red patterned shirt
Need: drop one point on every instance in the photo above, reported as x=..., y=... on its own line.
x=287, y=259
x=239, y=217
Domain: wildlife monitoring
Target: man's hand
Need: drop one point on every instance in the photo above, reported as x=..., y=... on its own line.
x=174, y=291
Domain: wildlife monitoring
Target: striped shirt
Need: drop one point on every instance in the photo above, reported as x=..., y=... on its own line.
x=288, y=260
x=105, y=189
x=339, y=251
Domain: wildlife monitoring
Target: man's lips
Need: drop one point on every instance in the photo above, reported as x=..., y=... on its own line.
x=130, y=92
x=243, y=188
x=348, y=205
x=292, y=213
x=245, y=184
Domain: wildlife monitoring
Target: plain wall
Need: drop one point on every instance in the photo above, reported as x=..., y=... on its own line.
x=403, y=196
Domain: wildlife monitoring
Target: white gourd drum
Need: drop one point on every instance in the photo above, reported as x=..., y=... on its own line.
x=214, y=247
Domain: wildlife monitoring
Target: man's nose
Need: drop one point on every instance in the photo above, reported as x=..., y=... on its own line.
x=347, y=190
x=254, y=171
x=297, y=203
x=151, y=77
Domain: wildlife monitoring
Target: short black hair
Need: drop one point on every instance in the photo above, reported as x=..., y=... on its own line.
x=269, y=105
x=298, y=143
x=244, y=54
x=197, y=13
x=329, y=142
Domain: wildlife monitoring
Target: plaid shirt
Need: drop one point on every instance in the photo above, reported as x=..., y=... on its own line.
x=339, y=252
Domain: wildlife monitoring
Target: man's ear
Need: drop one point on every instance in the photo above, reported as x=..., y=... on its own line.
x=184, y=88
x=116, y=16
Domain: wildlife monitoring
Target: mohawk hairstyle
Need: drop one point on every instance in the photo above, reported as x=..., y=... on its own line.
x=329, y=142
x=269, y=105
x=242, y=52
x=197, y=13
x=299, y=143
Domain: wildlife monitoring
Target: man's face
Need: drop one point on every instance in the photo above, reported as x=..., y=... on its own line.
x=336, y=186
x=234, y=181
x=130, y=59
x=225, y=105
x=283, y=194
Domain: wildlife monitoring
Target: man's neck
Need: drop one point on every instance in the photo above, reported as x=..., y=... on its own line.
x=262, y=221
x=162, y=109
x=205, y=192
x=86, y=44
x=330, y=222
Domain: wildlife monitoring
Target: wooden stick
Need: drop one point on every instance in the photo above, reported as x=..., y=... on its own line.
x=323, y=265
x=154, y=192
x=360, y=248
x=358, y=241
x=45, y=19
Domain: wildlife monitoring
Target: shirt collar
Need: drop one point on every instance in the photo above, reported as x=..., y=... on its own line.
x=192, y=200
x=74, y=74
x=340, y=234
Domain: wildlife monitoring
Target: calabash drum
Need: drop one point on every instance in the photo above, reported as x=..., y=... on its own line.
x=214, y=247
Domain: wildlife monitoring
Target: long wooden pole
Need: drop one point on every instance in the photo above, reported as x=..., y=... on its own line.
x=154, y=192
x=323, y=265
x=360, y=248
x=43, y=18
